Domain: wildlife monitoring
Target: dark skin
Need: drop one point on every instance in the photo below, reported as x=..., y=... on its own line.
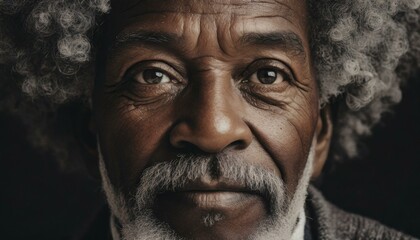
x=209, y=77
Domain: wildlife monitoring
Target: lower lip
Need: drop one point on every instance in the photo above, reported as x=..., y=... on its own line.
x=214, y=199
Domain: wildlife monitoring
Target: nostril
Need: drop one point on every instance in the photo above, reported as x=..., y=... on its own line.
x=186, y=146
x=238, y=145
x=208, y=146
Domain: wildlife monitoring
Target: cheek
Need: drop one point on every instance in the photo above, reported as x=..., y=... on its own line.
x=287, y=137
x=130, y=139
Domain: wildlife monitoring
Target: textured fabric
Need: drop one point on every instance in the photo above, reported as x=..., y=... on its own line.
x=308, y=228
x=332, y=223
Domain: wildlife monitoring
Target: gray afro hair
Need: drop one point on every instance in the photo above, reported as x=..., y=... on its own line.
x=361, y=50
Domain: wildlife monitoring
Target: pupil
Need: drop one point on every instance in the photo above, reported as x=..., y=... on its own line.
x=152, y=76
x=267, y=76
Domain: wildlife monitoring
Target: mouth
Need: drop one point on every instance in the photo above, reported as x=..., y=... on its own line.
x=210, y=194
x=230, y=204
x=217, y=199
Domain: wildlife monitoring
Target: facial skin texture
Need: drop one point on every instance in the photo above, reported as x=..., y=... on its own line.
x=208, y=78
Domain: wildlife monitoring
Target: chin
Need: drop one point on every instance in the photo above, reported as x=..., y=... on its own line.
x=188, y=209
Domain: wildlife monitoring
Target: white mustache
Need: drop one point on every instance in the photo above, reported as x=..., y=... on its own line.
x=176, y=174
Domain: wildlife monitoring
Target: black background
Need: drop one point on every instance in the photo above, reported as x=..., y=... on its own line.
x=38, y=201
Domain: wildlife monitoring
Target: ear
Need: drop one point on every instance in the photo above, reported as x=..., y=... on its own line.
x=323, y=133
x=87, y=138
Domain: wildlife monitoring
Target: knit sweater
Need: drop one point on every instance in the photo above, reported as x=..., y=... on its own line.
x=331, y=223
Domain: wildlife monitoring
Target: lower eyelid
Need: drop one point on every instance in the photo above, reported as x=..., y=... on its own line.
x=259, y=100
x=264, y=88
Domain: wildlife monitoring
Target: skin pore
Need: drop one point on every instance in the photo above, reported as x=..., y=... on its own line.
x=213, y=80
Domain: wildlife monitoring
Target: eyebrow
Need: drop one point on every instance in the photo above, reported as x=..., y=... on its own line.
x=145, y=37
x=289, y=41
x=286, y=40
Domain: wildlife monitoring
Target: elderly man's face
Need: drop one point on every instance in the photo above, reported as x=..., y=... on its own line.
x=213, y=80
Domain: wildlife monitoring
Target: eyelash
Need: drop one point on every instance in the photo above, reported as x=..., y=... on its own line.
x=149, y=65
x=276, y=65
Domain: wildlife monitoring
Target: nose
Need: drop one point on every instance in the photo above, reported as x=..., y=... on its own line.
x=211, y=120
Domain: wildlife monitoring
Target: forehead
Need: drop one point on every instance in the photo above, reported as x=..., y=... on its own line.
x=245, y=12
x=206, y=6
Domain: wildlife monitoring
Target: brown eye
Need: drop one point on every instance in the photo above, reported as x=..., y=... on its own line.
x=152, y=76
x=266, y=76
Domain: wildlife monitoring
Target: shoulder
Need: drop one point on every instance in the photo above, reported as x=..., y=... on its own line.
x=330, y=222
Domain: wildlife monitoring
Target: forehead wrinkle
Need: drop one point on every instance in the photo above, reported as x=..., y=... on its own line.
x=242, y=8
x=226, y=35
x=214, y=38
x=253, y=10
x=184, y=6
x=286, y=18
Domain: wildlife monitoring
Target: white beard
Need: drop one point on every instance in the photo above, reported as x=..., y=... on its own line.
x=138, y=222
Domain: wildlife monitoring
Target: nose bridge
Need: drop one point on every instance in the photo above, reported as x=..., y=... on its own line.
x=213, y=119
x=213, y=95
x=214, y=102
